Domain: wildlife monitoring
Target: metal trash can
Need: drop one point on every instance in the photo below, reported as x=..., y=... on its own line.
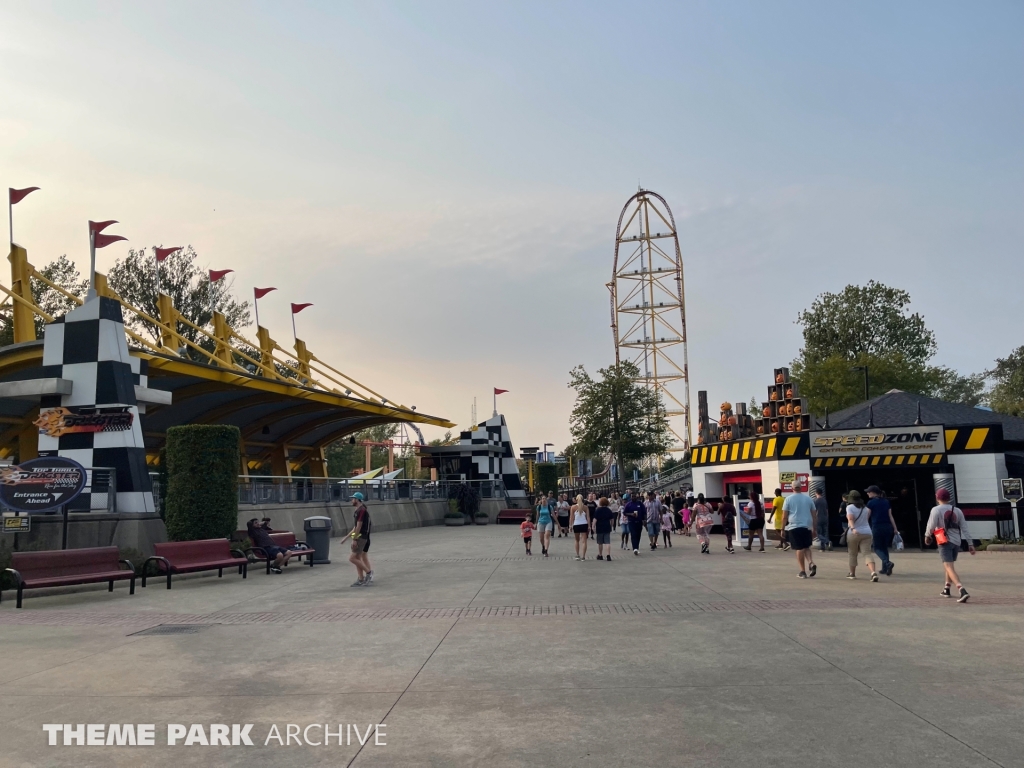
x=318, y=536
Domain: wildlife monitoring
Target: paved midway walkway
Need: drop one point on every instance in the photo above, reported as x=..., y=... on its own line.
x=474, y=654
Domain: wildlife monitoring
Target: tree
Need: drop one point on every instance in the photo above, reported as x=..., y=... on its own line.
x=617, y=415
x=871, y=326
x=754, y=407
x=61, y=271
x=134, y=279
x=1007, y=394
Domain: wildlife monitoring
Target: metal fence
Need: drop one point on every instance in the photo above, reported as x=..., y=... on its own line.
x=299, y=490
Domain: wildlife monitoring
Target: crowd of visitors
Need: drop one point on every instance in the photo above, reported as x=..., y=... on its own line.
x=799, y=520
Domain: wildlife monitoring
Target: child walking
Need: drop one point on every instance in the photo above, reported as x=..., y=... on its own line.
x=527, y=528
x=703, y=521
x=667, y=526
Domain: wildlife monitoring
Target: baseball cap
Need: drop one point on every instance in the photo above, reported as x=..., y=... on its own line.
x=873, y=489
x=358, y=495
x=942, y=495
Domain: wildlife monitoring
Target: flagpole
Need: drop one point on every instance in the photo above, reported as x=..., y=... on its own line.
x=256, y=306
x=495, y=402
x=156, y=269
x=92, y=264
x=10, y=218
x=295, y=335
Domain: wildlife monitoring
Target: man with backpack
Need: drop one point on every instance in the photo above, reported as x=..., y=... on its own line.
x=947, y=527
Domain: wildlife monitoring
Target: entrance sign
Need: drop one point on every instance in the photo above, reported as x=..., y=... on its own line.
x=41, y=484
x=1012, y=491
x=878, y=441
x=15, y=522
x=55, y=422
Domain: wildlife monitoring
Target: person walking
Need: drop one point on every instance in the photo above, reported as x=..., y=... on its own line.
x=602, y=523
x=624, y=523
x=947, y=527
x=727, y=511
x=580, y=526
x=755, y=523
x=563, y=516
x=545, y=522
x=703, y=521
x=883, y=527
x=667, y=525
x=636, y=515
x=592, y=506
x=360, y=536
x=821, y=513
x=775, y=517
x=677, y=512
x=687, y=514
x=653, y=519
x=858, y=536
x=798, y=523
x=526, y=529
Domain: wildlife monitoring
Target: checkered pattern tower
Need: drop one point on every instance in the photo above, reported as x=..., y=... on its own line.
x=88, y=346
x=487, y=466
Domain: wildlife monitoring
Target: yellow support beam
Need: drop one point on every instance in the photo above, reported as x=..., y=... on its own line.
x=21, y=288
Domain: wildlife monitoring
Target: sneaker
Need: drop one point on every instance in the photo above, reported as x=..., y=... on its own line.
x=529, y=553
x=730, y=550
x=608, y=559
x=814, y=571
x=748, y=549
x=357, y=583
x=761, y=549
x=275, y=569
x=801, y=575
x=786, y=548
x=964, y=597
x=945, y=591
x=891, y=566
x=545, y=554
x=369, y=579
x=830, y=546
x=850, y=576
x=636, y=552
x=600, y=557
x=874, y=577
x=576, y=557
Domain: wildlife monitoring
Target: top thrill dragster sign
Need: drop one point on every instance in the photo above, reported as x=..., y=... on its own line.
x=880, y=441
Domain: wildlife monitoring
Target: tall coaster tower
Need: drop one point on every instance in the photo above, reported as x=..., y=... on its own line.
x=648, y=306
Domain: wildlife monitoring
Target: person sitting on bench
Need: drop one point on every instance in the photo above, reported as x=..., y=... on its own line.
x=260, y=537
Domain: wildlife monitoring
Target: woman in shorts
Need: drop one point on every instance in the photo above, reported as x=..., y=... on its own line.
x=545, y=523
x=563, y=516
x=580, y=527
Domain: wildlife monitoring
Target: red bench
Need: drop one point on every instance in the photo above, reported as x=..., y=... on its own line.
x=285, y=540
x=515, y=516
x=192, y=556
x=64, y=567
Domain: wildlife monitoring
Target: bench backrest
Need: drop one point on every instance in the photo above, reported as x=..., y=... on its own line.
x=284, y=539
x=65, y=562
x=204, y=550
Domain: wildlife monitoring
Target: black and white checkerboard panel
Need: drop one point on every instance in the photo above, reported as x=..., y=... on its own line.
x=90, y=348
x=494, y=432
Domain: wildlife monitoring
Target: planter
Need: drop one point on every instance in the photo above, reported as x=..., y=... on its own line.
x=482, y=520
x=454, y=521
x=1004, y=548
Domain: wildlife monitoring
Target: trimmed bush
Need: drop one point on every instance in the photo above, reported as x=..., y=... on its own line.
x=546, y=478
x=162, y=479
x=202, y=482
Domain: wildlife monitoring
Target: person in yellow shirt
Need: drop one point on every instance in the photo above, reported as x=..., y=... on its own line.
x=776, y=517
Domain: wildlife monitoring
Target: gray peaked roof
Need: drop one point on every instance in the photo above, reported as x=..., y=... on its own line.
x=897, y=408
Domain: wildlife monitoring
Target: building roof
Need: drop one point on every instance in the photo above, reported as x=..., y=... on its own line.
x=897, y=408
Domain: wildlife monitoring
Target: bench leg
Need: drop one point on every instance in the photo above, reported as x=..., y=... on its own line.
x=220, y=573
x=110, y=586
x=245, y=570
x=131, y=589
x=168, y=578
x=20, y=590
x=268, y=566
x=309, y=559
x=143, y=578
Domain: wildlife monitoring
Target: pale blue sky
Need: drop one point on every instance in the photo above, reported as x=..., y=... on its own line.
x=412, y=168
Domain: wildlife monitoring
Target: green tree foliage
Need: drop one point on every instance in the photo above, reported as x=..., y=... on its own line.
x=202, y=481
x=188, y=285
x=61, y=271
x=1007, y=395
x=545, y=477
x=872, y=326
x=343, y=457
x=616, y=415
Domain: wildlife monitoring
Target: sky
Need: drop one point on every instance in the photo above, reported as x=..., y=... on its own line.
x=443, y=180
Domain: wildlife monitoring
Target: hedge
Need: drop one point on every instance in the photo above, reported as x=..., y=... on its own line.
x=202, y=482
x=545, y=477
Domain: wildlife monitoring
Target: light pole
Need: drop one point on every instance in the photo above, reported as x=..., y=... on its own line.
x=864, y=368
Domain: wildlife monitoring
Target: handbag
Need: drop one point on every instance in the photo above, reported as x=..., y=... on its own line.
x=897, y=542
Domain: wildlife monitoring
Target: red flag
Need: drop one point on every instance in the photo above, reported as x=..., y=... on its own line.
x=163, y=253
x=296, y=308
x=217, y=274
x=15, y=196
x=102, y=241
x=261, y=292
x=99, y=226
x=500, y=391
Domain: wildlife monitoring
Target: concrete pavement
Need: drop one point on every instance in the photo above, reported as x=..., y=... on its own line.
x=474, y=654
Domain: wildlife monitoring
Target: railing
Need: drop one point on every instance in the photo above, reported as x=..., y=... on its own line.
x=325, y=490
x=660, y=481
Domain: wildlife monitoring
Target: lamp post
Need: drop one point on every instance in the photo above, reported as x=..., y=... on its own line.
x=864, y=368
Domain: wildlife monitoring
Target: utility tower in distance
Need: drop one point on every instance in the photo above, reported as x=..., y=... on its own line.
x=648, y=306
